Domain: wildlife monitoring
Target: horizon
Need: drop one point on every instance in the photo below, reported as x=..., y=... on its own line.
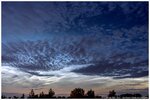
x=105, y=95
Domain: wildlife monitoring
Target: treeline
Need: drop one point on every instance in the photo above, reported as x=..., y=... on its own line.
x=76, y=93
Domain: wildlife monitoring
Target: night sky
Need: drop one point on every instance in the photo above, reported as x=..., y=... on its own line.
x=64, y=45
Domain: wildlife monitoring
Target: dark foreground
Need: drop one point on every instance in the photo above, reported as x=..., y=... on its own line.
x=78, y=93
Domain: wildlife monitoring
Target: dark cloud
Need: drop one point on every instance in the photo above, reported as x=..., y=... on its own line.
x=35, y=73
x=8, y=59
x=143, y=91
x=113, y=36
x=134, y=74
x=68, y=17
x=118, y=69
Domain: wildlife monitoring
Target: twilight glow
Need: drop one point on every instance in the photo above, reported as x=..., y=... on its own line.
x=65, y=45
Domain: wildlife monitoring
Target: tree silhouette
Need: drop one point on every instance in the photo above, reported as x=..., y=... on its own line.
x=3, y=97
x=127, y=95
x=41, y=95
x=51, y=93
x=90, y=94
x=22, y=97
x=137, y=95
x=31, y=94
x=36, y=96
x=15, y=97
x=77, y=93
x=98, y=96
x=112, y=93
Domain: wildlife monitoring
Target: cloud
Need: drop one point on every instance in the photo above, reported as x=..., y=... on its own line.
x=23, y=79
x=68, y=17
x=117, y=67
x=126, y=51
x=65, y=81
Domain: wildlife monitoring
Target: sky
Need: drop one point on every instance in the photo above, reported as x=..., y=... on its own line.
x=65, y=45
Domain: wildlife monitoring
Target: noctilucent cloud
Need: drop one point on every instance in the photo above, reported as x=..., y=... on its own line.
x=64, y=45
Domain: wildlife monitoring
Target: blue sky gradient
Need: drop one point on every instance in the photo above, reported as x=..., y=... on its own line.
x=106, y=41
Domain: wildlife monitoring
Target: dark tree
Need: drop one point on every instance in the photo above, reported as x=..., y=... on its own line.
x=63, y=97
x=127, y=95
x=98, y=96
x=22, y=97
x=77, y=93
x=31, y=94
x=35, y=96
x=51, y=93
x=112, y=94
x=15, y=97
x=147, y=96
x=3, y=97
x=137, y=95
x=90, y=94
x=41, y=95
